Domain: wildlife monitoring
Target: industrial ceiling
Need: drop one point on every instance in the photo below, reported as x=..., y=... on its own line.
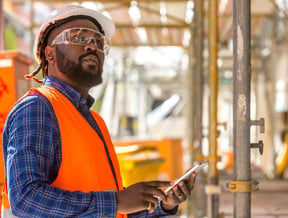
x=166, y=22
x=173, y=23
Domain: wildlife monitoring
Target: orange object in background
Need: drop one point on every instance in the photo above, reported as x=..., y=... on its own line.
x=170, y=151
x=13, y=66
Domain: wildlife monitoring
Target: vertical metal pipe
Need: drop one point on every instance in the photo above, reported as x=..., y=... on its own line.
x=189, y=83
x=199, y=76
x=2, y=41
x=241, y=104
x=32, y=25
x=213, y=198
x=200, y=204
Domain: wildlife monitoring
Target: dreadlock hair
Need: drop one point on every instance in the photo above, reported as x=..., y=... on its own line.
x=43, y=65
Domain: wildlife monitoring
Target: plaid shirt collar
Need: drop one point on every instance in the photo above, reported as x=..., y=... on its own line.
x=74, y=96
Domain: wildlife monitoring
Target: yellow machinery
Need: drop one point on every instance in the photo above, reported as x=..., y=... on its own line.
x=142, y=160
x=138, y=163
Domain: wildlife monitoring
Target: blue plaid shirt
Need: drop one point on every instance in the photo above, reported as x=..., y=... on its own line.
x=32, y=154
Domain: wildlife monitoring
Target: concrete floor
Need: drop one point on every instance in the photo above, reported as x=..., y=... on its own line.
x=271, y=201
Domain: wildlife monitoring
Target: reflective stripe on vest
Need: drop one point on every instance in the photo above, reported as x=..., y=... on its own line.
x=85, y=166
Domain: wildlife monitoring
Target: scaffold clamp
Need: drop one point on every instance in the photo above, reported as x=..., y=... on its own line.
x=243, y=186
x=258, y=145
x=260, y=122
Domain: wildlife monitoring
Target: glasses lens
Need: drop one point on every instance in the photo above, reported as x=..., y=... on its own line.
x=83, y=36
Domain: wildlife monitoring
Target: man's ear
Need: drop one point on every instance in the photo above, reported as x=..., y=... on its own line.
x=49, y=54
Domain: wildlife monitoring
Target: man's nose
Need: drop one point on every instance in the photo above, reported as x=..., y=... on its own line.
x=91, y=44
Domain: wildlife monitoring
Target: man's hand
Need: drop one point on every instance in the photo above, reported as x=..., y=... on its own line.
x=179, y=193
x=141, y=196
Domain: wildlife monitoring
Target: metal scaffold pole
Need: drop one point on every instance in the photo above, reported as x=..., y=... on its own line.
x=241, y=107
x=198, y=79
x=200, y=204
x=212, y=187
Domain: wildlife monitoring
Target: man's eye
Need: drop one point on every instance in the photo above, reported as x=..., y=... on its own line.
x=99, y=43
x=77, y=38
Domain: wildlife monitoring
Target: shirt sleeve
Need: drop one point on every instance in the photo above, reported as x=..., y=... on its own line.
x=159, y=212
x=32, y=153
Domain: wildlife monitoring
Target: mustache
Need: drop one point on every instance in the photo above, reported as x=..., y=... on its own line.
x=89, y=53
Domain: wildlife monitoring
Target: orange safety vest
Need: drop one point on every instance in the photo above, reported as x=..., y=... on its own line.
x=85, y=161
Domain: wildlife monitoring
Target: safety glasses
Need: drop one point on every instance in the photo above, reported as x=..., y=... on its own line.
x=83, y=36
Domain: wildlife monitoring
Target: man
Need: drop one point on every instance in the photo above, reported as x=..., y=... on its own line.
x=59, y=158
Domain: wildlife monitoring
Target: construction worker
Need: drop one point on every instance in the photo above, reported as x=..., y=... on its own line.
x=59, y=158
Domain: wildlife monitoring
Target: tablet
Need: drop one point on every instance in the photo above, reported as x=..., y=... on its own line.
x=196, y=168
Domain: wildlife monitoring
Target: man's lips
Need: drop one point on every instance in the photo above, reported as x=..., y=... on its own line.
x=91, y=58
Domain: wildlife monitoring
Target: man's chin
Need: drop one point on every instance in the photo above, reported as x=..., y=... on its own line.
x=90, y=67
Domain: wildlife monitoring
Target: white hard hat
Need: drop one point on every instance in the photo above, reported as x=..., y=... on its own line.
x=67, y=13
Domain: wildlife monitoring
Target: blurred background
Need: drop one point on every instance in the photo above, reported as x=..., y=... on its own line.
x=167, y=95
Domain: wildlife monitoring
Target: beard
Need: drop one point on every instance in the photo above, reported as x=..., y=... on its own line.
x=76, y=72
